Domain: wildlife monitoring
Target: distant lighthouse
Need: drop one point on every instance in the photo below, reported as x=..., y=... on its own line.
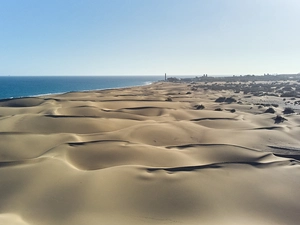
x=165, y=76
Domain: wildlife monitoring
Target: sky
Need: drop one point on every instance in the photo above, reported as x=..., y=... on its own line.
x=149, y=37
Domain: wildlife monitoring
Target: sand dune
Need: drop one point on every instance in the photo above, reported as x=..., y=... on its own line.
x=146, y=155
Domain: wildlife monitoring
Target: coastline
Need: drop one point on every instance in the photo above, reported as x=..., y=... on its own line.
x=81, y=91
x=157, y=154
x=32, y=86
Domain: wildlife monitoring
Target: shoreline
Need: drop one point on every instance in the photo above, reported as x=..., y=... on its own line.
x=83, y=91
x=60, y=93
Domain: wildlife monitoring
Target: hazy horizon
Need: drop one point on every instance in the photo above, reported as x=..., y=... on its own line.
x=153, y=75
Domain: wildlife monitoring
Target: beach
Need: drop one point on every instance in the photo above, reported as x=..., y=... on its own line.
x=165, y=153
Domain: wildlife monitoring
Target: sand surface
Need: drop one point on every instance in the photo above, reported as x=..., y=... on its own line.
x=128, y=156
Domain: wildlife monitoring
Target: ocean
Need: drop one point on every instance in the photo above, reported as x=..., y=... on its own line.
x=26, y=86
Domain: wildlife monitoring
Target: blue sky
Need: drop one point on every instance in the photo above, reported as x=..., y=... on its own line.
x=149, y=37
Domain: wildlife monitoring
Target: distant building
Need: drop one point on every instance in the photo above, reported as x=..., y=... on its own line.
x=173, y=79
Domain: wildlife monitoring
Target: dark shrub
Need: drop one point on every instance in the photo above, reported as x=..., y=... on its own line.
x=218, y=109
x=288, y=110
x=270, y=110
x=169, y=99
x=220, y=99
x=230, y=100
x=279, y=119
x=227, y=100
x=199, y=107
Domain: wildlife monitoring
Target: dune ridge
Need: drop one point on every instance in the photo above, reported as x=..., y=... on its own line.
x=147, y=155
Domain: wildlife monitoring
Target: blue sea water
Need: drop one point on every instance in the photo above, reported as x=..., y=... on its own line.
x=25, y=86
